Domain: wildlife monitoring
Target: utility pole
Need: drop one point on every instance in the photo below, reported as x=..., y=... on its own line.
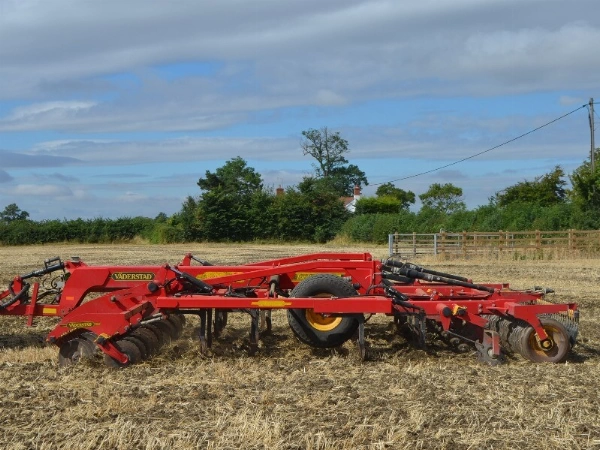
x=593, y=144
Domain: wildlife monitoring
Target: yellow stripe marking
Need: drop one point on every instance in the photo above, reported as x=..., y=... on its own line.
x=299, y=276
x=209, y=275
x=271, y=303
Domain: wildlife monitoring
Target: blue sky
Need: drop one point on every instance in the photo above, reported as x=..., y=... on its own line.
x=111, y=109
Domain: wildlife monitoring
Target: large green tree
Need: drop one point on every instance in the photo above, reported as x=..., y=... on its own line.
x=329, y=150
x=586, y=184
x=406, y=198
x=12, y=212
x=546, y=190
x=232, y=204
x=443, y=198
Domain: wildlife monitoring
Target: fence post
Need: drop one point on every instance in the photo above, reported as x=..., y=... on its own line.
x=435, y=244
x=538, y=240
x=390, y=244
x=443, y=236
x=464, y=243
x=571, y=240
x=414, y=244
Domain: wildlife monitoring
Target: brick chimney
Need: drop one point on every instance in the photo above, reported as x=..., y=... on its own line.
x=356, y=192
x=279, y=191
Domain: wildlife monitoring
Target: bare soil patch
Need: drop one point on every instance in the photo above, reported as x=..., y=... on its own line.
x=291, y=396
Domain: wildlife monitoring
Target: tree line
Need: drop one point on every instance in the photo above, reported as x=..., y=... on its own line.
x=234, y=205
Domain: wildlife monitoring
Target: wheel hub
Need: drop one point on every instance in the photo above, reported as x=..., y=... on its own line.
x=322, y=322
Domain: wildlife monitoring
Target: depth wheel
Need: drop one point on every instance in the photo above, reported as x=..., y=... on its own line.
x=532, y=349
x=318, y=330
x=130, y=349
x=74, y=350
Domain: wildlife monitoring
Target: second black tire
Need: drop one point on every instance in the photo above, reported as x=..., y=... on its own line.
x=316, y=329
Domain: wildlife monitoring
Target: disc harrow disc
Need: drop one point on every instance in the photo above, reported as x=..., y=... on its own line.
x=177, y=326
x=128, y=348
x=160, y=336
x=149, y=338
x=144, y=350
x=74, y=350
x=166, y=329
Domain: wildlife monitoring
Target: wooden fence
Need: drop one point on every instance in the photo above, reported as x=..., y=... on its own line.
x=574, y=242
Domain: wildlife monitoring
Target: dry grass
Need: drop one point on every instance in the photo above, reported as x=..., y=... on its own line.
x=295, y=397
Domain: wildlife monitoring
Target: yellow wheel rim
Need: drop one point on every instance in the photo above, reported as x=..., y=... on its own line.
x=321, y=322
x=553, y=334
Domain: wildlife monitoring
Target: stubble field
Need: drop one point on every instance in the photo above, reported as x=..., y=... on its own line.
x=290, y=396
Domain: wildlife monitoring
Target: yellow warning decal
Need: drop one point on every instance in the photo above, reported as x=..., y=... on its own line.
x=132, y=276
x=271, y=303
x=299, y=276
x=76, y=325
x=209, y=275
x=49, y=310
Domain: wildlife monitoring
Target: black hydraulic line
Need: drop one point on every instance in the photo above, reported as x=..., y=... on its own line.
x=394, y=263
x=395, y=277
x=204, y=288
x=201, y=261
x=398, y=298
x=403, y=269
x=44, y=271
x=441, y=274
x=14, y=296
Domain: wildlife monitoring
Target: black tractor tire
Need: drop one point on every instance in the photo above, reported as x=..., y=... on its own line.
x=315, y=329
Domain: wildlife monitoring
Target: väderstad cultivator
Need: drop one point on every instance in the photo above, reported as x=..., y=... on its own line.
x=128, y=312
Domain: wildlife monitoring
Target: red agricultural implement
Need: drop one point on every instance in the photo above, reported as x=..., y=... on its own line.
x=128, y=312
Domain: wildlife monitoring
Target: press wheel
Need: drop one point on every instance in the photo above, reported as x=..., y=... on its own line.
x=557, y=348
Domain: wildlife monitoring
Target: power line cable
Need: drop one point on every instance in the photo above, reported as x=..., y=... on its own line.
x=486, y=151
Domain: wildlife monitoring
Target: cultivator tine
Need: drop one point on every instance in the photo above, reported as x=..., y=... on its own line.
x=209, y=323
x=361, y=343
x=220, y=322
x=254, y=331
x=265, y=322
x=488, y=350
x=202, y=333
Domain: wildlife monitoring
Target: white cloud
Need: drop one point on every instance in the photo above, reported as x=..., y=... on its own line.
x=131, y=197
x=41, y=190
x=24, y=112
